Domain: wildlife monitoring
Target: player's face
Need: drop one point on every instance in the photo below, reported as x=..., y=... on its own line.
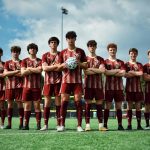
x=92, y=48
x=133, y=55
x=32, y=51
x=53, y=45
x=15, y=54
x=71, y=41
x=112, y=51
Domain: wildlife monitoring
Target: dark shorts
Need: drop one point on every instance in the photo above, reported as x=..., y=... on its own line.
x=51, y=90
x=116, y=95
x=68, y=88
x=2, y=95
x=31, y=94
x=91, y=93
x=13, y=94
x=147, y=98
x=134, y=96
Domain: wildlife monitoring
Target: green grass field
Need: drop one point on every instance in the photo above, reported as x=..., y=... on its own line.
x=15, y=139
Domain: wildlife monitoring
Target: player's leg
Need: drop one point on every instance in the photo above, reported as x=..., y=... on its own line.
x=129, y=114
x=58, y=105
x=3, y=113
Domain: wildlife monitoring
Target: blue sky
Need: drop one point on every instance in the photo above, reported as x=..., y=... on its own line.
x=125, y=22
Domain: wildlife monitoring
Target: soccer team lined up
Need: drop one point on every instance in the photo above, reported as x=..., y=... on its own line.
x=20, y=80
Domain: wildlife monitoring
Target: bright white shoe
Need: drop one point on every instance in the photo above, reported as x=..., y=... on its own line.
x=79, y=129
x=101, y=127
x=147, y=128
x=60, y=128
x=2, y=127
x=87, y=127
x=44, y=128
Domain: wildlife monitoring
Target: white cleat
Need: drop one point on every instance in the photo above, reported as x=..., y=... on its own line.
x=60, y=128
x=2, y=127
x=79, y=129
x=101, y=127
x=87, y=127
x=147, y=128
x=44, y=128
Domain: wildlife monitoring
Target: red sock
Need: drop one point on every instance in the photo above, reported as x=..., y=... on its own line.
x=119, y=116
x=79, y=111
x=63, y=112
x=58, y=115
x=129, y=115
x=21, y=115
x=147, y=115
x=10, y=114
x=106, y=115
x=27, y=115
x=3, y=114
x=38, y=118
x=99, y=113
x=46, y=115
x=138, y=117
x=87, y=113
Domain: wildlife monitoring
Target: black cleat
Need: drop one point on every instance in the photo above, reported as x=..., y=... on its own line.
x=7, y=127
x=20, y=127
x=25, y=128
x=129, y=127
x=139, y=128
x=38, y=127
x=120, y=127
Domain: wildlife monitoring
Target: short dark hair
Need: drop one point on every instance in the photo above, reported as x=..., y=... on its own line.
x=111, y=45
x=71, y=34
x=32, y=46
x=133, y=50
x=91, y=42
x=16, y=48
x=148, y=52
x=53, y=39
x=1, y=50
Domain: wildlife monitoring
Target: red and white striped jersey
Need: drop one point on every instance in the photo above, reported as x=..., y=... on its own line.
x=72, y=76
x=2, y=80
x=51, y=77
x=113, y=82
x=13, y=82
x=94, y=81
x=133, y=84
x=33, y=80
x=146, y=69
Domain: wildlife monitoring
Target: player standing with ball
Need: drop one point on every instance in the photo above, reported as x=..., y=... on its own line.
x=72, y=79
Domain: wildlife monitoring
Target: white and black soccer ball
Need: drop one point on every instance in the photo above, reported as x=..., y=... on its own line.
x=71, y=63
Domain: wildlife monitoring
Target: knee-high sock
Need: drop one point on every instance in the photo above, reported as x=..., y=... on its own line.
x=58, y=115
x=129, y=115
x=63, y=112
x=10, y=114
x=138, y=117
x=79, y=111
x=46, y=115
x=3, y=115
x=27, y=115
x=119, y=116
x=99, y=113
x=21, y=115
x=87, y=113
x=147, y=115
x=38, y=118
x=106, y=115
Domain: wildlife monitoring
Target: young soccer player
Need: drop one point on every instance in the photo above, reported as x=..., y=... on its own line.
x=14, y=83
x=52, y=80
x=115, y=70
x=31, y=68
x=2, y=91
x=93, y=85
x=146, y=77
x=72, y=79
x=134, y=94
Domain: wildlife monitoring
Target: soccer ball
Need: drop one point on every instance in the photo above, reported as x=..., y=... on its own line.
x=71, y=63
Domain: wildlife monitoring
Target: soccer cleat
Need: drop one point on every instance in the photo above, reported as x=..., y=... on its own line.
x=129, y=127
x=44, y=128
x=25, y=128
x=120, y=127
x=79, y=129
x=38, y=127
x=139, y=128
x=7, y=127
x=2, y=127
x=20, y=127
x=87, y=127
x=147, y=128
x=102, y=128
x=61, y=129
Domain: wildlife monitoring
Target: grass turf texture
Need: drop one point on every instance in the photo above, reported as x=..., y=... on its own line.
x=15, y=139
